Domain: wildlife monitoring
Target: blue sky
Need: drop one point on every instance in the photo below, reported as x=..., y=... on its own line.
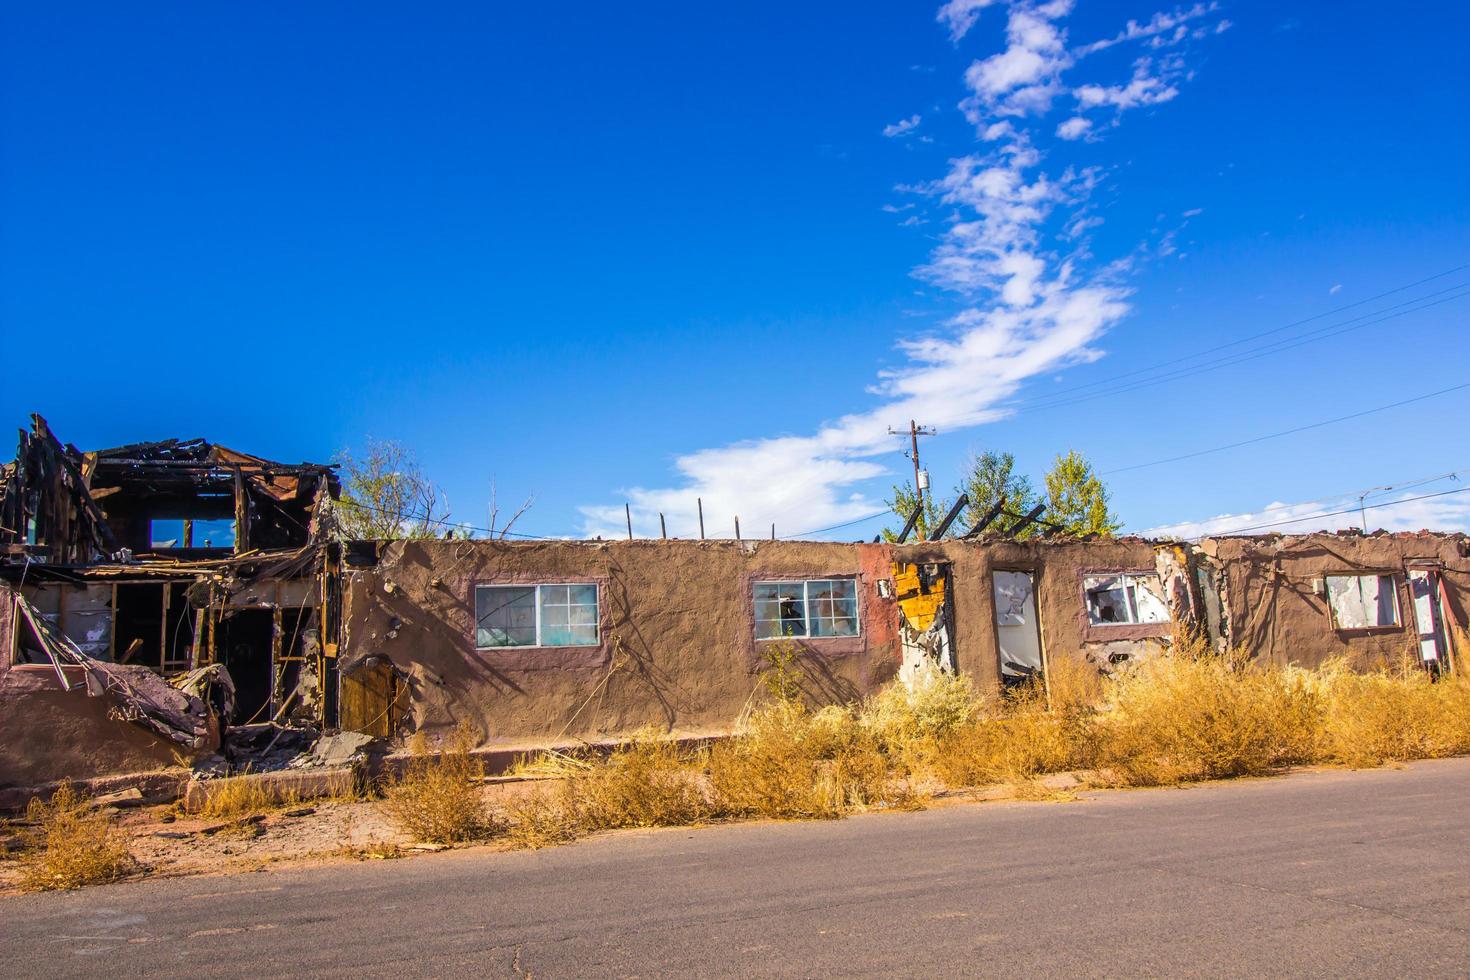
x=662, y=251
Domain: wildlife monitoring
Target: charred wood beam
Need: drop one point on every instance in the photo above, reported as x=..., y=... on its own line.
x=987, y=520
x=1027, y=521
x=949, y=518
x=908, y=526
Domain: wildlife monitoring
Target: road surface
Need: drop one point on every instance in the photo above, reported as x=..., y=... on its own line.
x=1325, y=873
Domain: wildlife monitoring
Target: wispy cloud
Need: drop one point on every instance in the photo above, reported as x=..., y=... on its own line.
x=902, y=126
x=1025, y=309
x=1406, y=511
x=960, y=15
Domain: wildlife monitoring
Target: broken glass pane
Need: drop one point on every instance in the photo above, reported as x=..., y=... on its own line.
x=1362, y=601
x=780, y=609
x=1114, y=600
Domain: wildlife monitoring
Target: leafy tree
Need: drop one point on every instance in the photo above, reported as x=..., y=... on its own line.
x=903, y=502
x=385, y=494
x=991, y=476
x=1077, y=499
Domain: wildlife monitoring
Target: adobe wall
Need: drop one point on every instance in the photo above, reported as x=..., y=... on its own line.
x=1274, y=610
x=48, y=734
x=678, y=650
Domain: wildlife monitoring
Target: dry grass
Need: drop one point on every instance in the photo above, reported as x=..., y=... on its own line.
x=1392, y=715
x=438, y=799
x=242, y=796
x=543, y=819
x=1189, y=715
x=73, y=846
x=646, y=782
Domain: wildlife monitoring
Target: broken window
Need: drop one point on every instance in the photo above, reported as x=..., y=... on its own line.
x=1362, y=602
x=536, y=616
x=178, y=532
x=1115, y=600
x=814, y=608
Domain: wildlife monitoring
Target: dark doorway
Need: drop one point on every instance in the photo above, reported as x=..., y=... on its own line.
x=138, y=624
x=242, y=642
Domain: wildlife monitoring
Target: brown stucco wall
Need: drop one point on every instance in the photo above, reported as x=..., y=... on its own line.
x=1272, y=609
x=678, y=649
x=48, y=734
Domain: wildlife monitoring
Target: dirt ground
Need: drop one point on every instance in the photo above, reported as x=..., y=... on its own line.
x=169, y=843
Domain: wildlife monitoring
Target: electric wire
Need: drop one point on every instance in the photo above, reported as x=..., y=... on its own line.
x=1336, y=513
x=1285, y=432
x=1285, y=327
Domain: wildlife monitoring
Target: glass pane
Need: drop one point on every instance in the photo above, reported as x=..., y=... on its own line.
x=556, y=594
x=583, y=636
x=555, y=616
x=505, y=616
x=770, y=629
x=584, y=615
x=1107, y=600
x=1362, y=601
x=1148, y=599
x=767, y=591
x=584, y=594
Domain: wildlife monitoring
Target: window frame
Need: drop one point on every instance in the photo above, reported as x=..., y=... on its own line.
x=806, y=605
x=1398, y=604
x=1108, y=632
x=536, y=588
x=1129, y=582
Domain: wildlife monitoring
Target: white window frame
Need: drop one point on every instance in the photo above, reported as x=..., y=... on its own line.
x=806, y=607
x=1129, y=582
x=1398, y=612
x=537, y=587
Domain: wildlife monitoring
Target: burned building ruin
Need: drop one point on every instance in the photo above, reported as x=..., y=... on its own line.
x=159, y=599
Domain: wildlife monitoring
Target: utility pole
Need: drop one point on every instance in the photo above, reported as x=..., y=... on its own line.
x=914, y=432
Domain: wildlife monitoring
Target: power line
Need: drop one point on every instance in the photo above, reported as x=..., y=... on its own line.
x=1283, y=328
x=1286, y=432
x=837, y=527
x=442, y=523
x=1264, y=351
x=1338, y=513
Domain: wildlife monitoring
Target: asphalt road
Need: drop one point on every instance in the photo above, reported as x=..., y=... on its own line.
x=1325, y=874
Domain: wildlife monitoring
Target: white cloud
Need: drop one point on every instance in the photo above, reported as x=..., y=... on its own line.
x=1074, y=128
x=1193, y=211
x=1335, y=290
x=1145, y=88
x=1164, y=27
x=1024, y=78
x=1027, y=312
x=902, y=126
x=960, y=15
x=1407, y=511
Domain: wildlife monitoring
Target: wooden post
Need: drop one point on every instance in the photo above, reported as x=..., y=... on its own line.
x=699, y=501
x=628, y=513
x=663, y=529
x=737, y=527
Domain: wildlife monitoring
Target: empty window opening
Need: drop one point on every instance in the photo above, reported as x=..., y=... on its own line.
x=166, y=533
x=1017, y=629
x=536, y=616
x=813, y=608
x=1361, y=602
x=1126, y=599
x=1424, y=587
